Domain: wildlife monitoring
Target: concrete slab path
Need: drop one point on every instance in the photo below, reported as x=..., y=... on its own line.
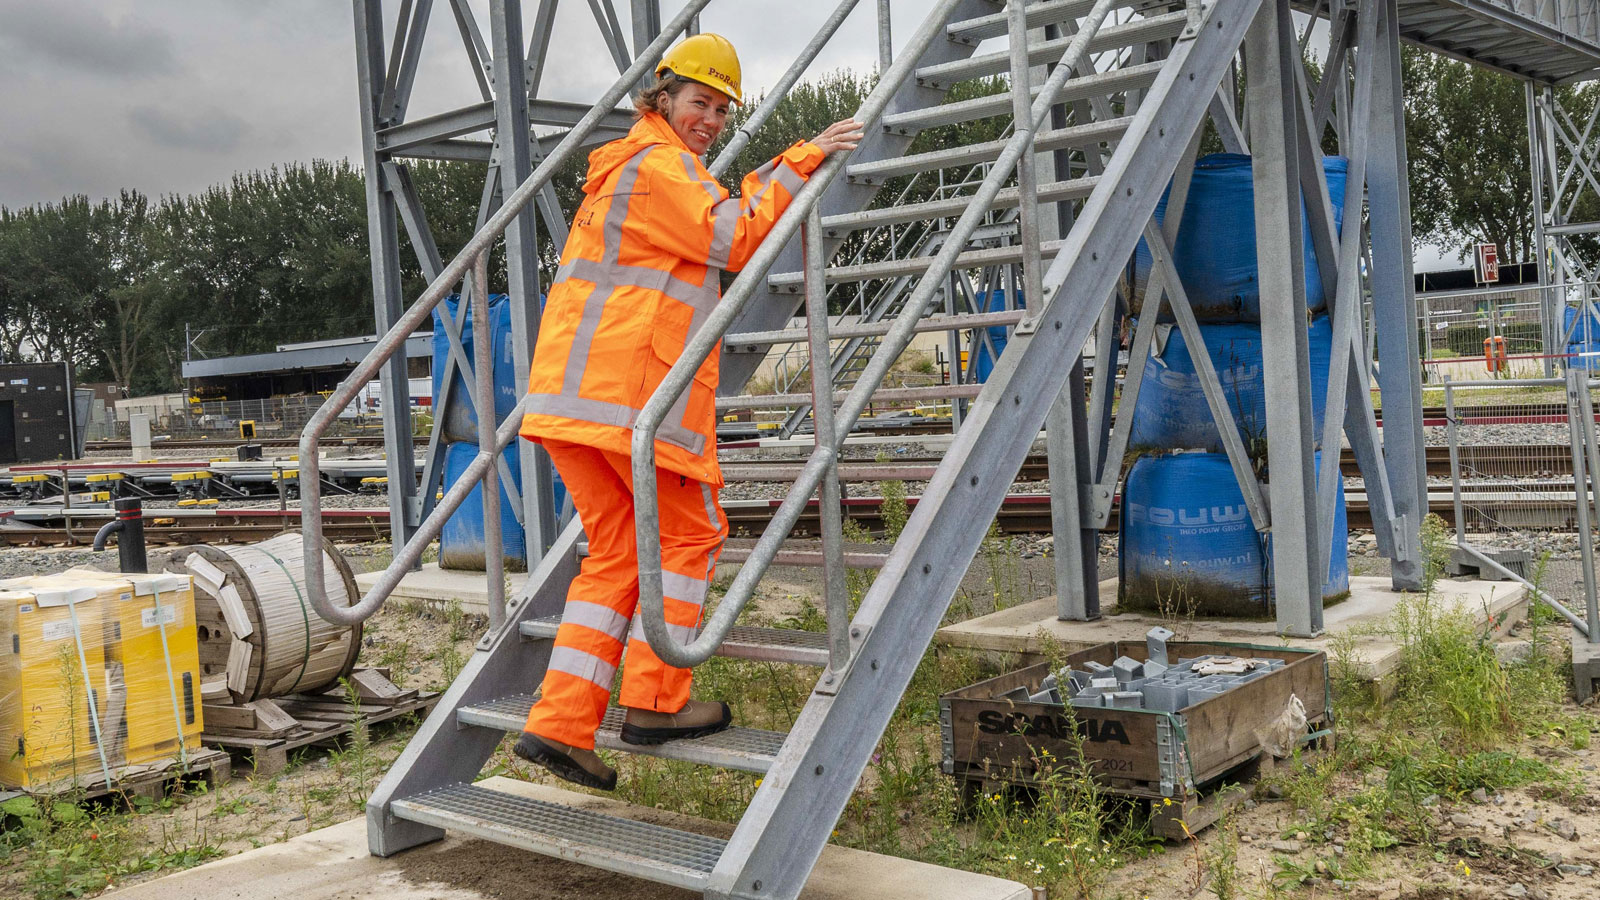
x=1026, y=627
x=333, y=864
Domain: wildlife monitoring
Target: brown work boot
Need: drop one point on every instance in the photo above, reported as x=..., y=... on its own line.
x=574, y=764
x=698, y=718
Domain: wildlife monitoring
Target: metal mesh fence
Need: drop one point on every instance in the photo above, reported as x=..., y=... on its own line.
x=1458, y=331
x=274, y=417
x=1513, y=493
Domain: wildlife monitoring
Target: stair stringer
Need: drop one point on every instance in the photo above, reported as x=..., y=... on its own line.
x=444, y=752
x=782, y=833
x=772, y=311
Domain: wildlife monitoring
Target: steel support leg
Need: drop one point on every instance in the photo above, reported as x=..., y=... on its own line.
x=384, y=237
x=1271, y=96
x=522, y=259
x=1394, y=305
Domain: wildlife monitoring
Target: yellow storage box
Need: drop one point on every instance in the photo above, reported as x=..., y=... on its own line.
x=152, y=637
x=48, y=678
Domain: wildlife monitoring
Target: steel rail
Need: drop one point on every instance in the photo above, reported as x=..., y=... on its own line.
x=395, y=338
x=656, y=409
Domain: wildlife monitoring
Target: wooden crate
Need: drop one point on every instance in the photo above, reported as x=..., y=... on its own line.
x=1145, y=754
x=268, y=730
x=150, y=780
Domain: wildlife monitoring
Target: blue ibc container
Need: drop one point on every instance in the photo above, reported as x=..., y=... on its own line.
x=462, y=424
x=1172, y=414
x=461, y=542
x=1187, y=545
x=1215, y=252
x=994, y=301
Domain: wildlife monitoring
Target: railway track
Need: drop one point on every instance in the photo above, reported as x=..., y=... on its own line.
x=227, y=445
x=1491, y=504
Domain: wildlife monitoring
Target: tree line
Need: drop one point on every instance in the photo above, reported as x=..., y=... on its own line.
x=124, y=287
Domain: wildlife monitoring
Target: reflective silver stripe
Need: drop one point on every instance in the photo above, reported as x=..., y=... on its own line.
x=711, y=506
x=594, y=306
x=711, y=187
x=603, y=413
x=682, y=635
x=609, y=276
x=779, y=171
x=791, y=180
x=724, y=226
x=603, y=619
x=724, y=216
x=683, y=588
x=583, y=665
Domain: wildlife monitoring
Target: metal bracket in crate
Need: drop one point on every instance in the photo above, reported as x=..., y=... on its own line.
x=1172, y=755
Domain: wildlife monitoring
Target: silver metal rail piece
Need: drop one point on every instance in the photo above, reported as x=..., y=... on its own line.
x=824, y=455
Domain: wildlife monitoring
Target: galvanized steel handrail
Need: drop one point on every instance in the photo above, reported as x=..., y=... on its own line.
x=394, y=340
x=704, y=342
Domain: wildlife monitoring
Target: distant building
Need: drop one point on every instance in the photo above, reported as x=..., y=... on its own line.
x=316, y=367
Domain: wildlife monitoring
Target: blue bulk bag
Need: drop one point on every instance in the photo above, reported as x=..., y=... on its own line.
x=1215, y=252
x=1584, y=356
x=461, y=542
x=1171, y=412
x=1187, y=545
x=462, y=424
x=1581, y=332
x=994, y=301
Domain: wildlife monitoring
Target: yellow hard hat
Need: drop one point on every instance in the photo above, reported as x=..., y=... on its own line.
x=707, y=58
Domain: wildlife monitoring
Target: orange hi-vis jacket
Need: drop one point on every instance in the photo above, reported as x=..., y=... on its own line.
x=638, y=277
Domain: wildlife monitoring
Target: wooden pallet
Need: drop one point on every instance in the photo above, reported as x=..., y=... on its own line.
x=148, y=780
x=268, y=730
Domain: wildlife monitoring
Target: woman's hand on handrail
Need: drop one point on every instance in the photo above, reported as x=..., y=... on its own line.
x=844, y=134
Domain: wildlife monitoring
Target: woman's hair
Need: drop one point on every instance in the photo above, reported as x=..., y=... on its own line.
x=650, y=99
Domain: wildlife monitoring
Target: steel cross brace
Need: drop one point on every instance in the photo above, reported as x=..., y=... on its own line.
x=789, y=819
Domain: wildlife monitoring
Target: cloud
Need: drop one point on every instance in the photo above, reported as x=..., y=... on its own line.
x=66, y=36
x=211, y=129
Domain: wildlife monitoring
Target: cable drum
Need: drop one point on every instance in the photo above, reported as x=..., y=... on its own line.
x=257, y=629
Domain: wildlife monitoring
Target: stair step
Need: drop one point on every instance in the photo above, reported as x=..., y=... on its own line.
x=652, y=852
x=870, y=332
x=795, y=552
x=1084, y=87
x=809, y=553
x=745, y=749
x=1058, y=139
x=806, y=648
x=1109, y=37
x=1072, y=189
x=1038, y=14
x=915, y=265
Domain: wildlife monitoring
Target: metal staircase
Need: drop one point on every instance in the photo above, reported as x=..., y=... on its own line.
x=1115, y=90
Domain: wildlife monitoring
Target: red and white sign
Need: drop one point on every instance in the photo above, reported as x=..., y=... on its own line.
x=1488, y=268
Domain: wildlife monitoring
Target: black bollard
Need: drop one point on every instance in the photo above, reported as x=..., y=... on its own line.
x=130, y=537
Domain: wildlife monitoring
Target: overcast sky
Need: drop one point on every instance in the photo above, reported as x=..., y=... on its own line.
x=170, y=96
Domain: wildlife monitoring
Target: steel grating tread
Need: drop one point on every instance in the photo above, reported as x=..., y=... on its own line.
x=1083, y=87
x=1048, y=192
x=1109, y=37
x=653, y=852
x=745, y=749
x=807, y=648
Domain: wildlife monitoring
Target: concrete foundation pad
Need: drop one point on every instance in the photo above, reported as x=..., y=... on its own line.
x=1028, y=627
x=438, y=585
x=333, y=864
x=1585, y=666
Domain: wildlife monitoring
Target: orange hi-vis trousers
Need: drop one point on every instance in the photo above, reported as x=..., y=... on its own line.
x=602, y=603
